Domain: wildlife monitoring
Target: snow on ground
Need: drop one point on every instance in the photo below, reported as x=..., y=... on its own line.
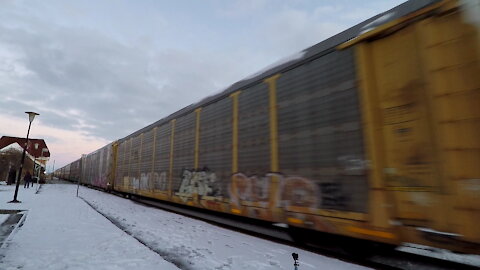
x=196, y=244
x=473, y=260
x=62, y=231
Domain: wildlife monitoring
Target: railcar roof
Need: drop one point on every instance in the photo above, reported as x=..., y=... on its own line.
x=306, y=55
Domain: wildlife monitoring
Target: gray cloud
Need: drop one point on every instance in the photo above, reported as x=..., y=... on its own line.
x=294, y=30
x=108, y=84
x=115, y=89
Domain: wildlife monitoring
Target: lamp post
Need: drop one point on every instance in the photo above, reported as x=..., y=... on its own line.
x=31, y=116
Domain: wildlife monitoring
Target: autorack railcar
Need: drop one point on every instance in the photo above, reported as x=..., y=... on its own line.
x=372, y=133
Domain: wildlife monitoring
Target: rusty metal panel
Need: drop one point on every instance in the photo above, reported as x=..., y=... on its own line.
x=183, y=149
x=320, y=138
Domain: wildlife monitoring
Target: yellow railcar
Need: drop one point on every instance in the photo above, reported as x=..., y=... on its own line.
x=373, y=134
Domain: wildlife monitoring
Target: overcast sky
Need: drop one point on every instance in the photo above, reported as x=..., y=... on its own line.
x=97, y=71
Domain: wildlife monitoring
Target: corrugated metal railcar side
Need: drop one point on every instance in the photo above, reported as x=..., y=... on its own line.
x=285, y=145
x=334, y=139
x=75, y=168
x=97, y=167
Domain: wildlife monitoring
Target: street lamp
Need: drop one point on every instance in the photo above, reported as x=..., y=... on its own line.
x=31, y=116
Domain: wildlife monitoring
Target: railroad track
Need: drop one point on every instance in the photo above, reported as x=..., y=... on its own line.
x=333, y=246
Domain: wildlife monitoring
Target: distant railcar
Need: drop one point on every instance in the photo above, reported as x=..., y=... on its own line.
x=373, y=134
x=70, y=172
x=75, y=170
x=97, y=167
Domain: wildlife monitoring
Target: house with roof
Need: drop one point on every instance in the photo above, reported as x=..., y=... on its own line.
x=36, y=151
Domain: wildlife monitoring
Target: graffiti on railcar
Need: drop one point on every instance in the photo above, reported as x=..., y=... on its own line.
x=144, y=183
x=160, y=181
x=293, y=191
x=131, y=182
x=202, y=182
x=249, y=188
x=332, y=195
x=147, y=181
x=136, y=183
x=352, y=165
x=299, y=191
x=100, y=181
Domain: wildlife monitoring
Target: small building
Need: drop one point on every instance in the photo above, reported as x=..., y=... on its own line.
x=37, y=152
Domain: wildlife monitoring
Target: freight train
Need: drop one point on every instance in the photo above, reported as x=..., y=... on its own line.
x=372, y=134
